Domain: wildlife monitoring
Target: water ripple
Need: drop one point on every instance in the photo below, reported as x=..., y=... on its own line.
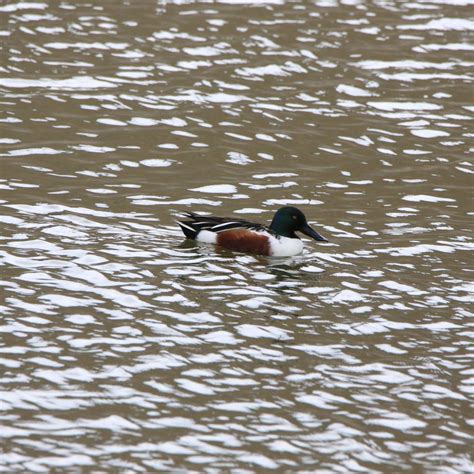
x=124, y=347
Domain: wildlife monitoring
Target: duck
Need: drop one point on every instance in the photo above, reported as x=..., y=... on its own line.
x=277, y=240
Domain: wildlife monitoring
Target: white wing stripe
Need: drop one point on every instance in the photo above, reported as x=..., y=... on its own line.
x=225, y=224
x=202, y=223
x=182, y=224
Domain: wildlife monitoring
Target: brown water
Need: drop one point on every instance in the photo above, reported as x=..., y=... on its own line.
x=124, y=348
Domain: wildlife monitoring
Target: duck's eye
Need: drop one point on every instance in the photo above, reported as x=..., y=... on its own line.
x=294, y=218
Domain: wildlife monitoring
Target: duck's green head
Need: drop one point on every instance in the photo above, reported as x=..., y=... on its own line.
x=289, y=220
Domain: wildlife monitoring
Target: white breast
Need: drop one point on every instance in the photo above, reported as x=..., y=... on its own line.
x=285, y=247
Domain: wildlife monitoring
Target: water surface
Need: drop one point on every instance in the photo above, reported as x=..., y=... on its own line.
x=124, y=347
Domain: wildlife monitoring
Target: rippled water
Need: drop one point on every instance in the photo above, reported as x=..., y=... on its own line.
x=124, y=347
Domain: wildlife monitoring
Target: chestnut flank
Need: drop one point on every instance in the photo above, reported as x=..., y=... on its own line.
x=243, y=240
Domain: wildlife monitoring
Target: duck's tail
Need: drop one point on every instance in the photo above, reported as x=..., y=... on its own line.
x=188, y=230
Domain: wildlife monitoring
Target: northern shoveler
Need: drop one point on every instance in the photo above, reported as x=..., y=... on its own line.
x=278, y=240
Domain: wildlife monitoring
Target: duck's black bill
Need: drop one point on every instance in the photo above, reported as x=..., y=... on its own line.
x=313, y=234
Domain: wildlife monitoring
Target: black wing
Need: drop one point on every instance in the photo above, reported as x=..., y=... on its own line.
x=196, y=223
